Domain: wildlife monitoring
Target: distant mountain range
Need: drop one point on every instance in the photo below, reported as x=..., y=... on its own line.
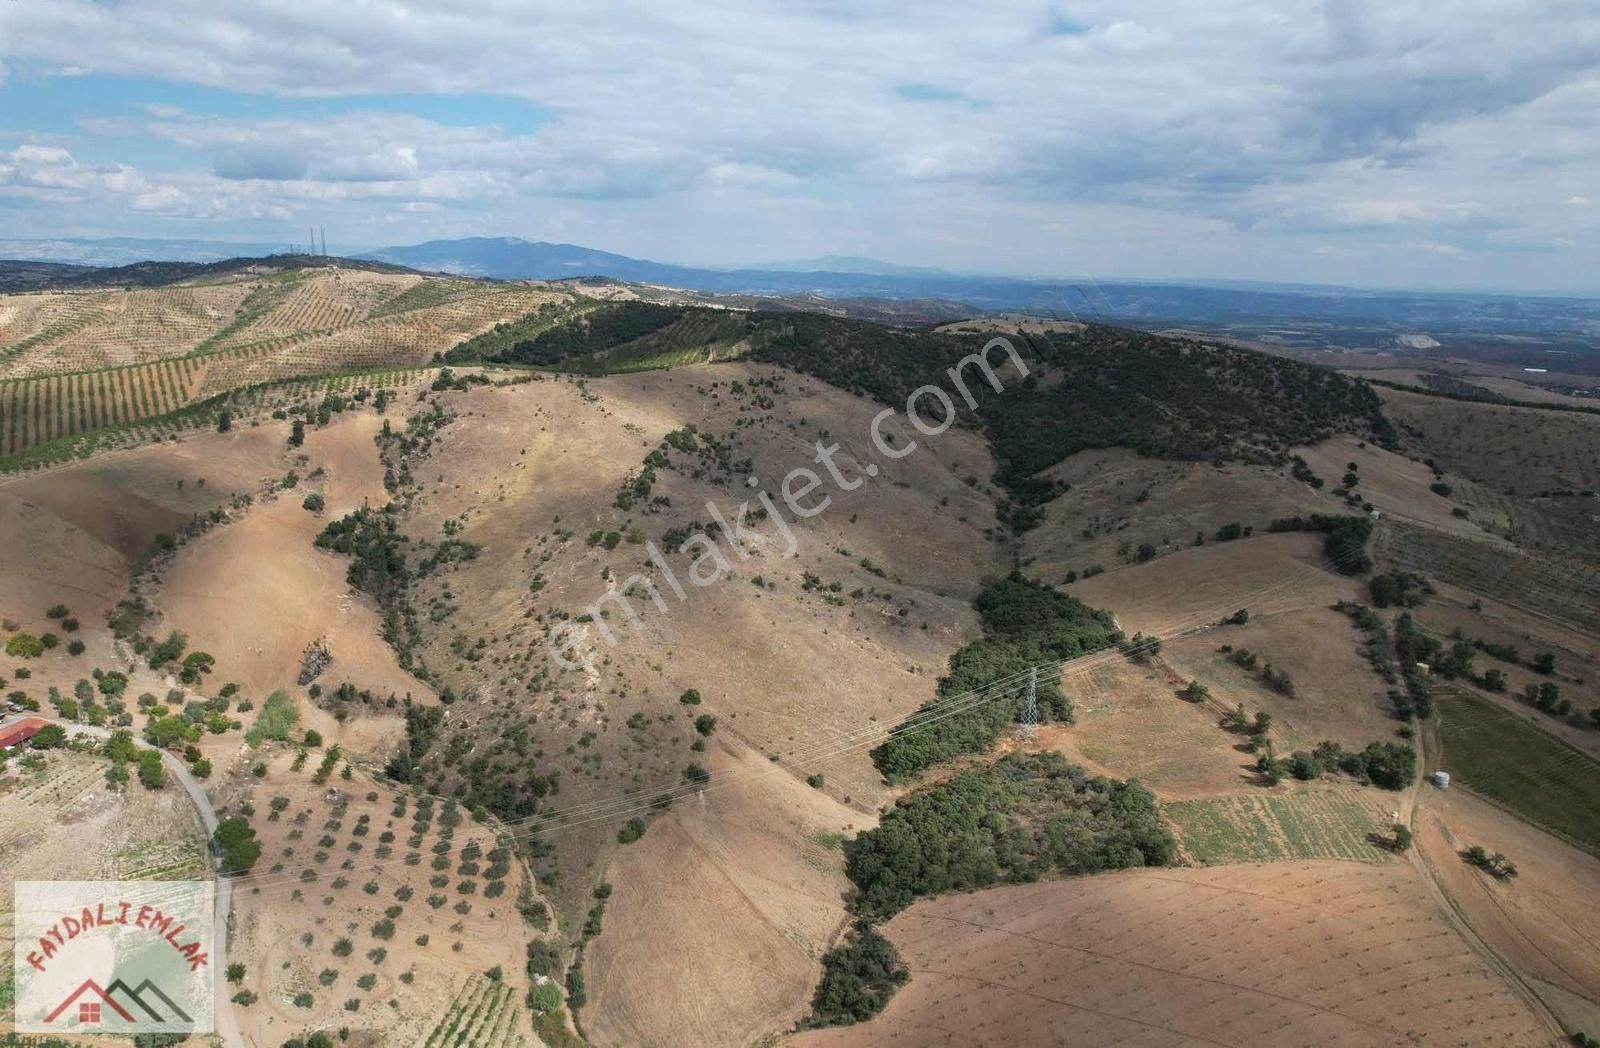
x=1286, y=314
x=123, y=251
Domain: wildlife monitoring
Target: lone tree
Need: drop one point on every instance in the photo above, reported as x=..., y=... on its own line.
x=238, y=844
x=49, y=737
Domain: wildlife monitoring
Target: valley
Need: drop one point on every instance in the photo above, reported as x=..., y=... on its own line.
x=1065, y=711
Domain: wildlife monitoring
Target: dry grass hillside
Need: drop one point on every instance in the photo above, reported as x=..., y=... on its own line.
x=378, y=554
x=1292, y=953
x=82, y=368
x=800, y=659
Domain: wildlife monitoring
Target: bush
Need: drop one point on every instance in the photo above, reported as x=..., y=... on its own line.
x=858, y=978
x=277, y=716
x=49, y=737
x=314, y=502
x=545, y=997
x=543, y=959
x=1024, y=624
x=24, y=646
x=631, y=831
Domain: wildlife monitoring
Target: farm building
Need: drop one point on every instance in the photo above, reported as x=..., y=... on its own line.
x=14, y=735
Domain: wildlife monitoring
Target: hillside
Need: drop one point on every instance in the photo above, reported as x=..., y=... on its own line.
x=1090, y=387
x=86, y=369
x=788, y=745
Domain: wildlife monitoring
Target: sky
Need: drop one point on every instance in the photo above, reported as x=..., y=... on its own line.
x=1403, y=143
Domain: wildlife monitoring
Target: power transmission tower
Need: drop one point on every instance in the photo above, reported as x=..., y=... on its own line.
x=1030, y=706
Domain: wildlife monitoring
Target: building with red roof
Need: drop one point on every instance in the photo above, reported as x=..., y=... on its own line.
x=13, y=735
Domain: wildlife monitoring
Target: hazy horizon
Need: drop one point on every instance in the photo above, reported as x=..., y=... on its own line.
x=1441, y=146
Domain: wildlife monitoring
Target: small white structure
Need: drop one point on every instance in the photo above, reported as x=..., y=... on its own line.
x=1440, y=779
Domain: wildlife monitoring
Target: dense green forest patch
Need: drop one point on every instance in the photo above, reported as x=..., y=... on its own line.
x=1028, y=816
x=1095, y=388
x=1025, y=624
x=1099, y=387
x=605, y=338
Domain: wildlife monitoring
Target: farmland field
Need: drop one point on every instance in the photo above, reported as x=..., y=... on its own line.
x=39, y=410
x=1306, y=824
x=83, y=371
x=483, y=1014
x=1306, y=953
x=1496, y=754
x=1569, y=593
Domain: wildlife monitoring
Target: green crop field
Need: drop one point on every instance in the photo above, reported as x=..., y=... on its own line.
x=1321, y=824
x=1497, y=754
x=484, y=1013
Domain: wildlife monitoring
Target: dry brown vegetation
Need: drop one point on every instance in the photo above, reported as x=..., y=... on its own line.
x=714, y=920
x=1289, y=953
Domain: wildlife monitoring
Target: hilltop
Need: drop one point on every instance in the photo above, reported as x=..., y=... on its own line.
x=376, y=501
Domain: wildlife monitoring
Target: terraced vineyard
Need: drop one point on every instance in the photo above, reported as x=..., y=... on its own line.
x=699, y=336
x=181, y=351
x=1321, y=824
x=484, y=1014
x=1498, y=755
x=39, y=410
x=424, y=294
x=53, y=334
x=172, y=860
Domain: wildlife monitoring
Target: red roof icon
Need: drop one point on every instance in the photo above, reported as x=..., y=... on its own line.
x=88, y=984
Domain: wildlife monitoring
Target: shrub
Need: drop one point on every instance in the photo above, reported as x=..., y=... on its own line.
x=858, y=978
x=24, y=646
x=545, y=997
x=277, y=716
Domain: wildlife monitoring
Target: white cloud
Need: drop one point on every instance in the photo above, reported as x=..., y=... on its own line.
x=1448, y=120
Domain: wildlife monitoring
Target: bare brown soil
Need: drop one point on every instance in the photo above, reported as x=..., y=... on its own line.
x=1119, y=501
x=804, y=675
x=258, y=622
x=1546, y=922
x=1130, y=723
x=286, y=924
x=721, y=912
x=1265, y=574
x=1291, y=953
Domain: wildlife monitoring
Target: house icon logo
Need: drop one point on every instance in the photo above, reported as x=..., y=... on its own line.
x=115, y=958
x=123, y=1000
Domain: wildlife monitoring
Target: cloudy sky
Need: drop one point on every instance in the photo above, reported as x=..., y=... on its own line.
x=1443, y=143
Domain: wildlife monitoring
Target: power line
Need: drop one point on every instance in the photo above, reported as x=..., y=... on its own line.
x=634, y=802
